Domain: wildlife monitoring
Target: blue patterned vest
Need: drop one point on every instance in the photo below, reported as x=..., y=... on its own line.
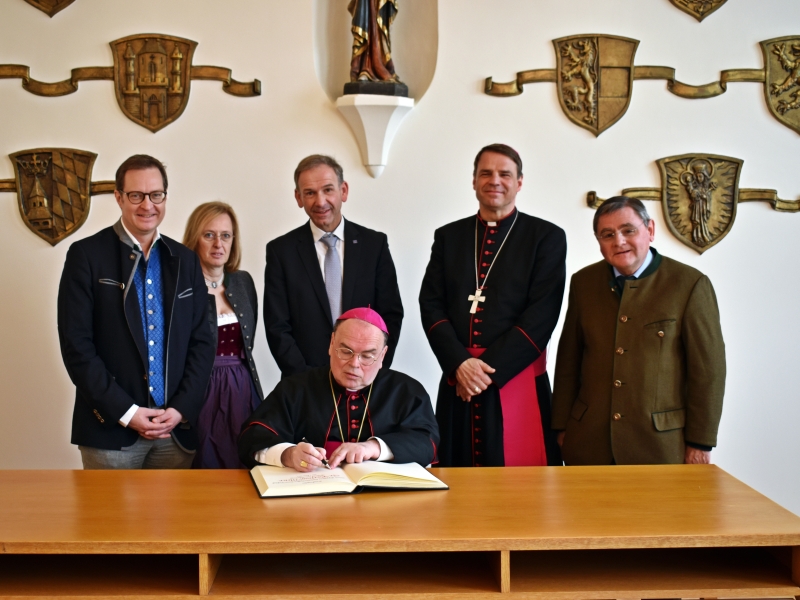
x=149, y=291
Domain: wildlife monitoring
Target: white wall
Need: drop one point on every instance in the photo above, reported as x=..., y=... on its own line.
x=244, y=151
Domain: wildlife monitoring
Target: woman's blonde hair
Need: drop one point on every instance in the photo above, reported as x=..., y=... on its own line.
x=200, y=218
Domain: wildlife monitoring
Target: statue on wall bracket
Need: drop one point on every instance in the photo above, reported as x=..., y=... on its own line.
x=595, y=74
x=51, y=7
x=54, y=190
x=371, y=65
x=699, y=9
x=152, y=75
x=699, y=194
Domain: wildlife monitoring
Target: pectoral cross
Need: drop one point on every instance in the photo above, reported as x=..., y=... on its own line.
x=475, y=299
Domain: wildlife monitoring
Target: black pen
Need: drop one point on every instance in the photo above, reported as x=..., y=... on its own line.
x=324, y=460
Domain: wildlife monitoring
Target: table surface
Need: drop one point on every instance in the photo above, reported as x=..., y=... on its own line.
x=521, y=508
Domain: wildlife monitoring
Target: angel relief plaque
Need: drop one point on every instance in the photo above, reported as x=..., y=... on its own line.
x=699, y=197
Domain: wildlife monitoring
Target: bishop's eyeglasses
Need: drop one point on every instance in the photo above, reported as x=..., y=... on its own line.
x=365, y=358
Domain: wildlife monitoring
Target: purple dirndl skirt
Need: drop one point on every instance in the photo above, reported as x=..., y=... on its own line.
x=230, y=399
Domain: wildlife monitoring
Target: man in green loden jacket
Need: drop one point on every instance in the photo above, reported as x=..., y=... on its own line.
x=640, y=371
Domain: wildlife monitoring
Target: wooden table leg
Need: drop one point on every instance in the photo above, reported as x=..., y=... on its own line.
x=796, y=566
x=209, y=565
x=502, y=570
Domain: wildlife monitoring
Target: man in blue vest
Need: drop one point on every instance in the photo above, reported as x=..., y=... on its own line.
x=132, y=323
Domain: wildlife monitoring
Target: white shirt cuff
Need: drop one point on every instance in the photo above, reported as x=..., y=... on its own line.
x=126, y=418
x=386, y=452
x=272, y=455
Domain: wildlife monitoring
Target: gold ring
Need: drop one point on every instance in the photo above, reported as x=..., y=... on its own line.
x=303, y=464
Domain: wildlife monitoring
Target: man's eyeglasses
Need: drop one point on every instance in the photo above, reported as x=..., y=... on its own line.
x=628, y=231
x=365, y=358
x=225, y=236
x=138, y=197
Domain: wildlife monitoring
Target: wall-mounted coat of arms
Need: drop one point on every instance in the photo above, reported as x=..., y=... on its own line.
x=54, y=190
x=699, y=194
x=51, y=7
x=152, y=74
x=595, y=76
x=699, y=9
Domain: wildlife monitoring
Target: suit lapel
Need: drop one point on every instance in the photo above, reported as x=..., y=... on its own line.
x=308, y=256
x=129, y=298
x=352, y=264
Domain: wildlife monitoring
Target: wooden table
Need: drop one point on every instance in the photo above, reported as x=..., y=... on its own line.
x=578, y=532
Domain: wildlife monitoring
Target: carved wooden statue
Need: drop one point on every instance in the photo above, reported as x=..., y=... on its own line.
x=371, y=66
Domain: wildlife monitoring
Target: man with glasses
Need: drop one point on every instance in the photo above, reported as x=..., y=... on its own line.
x=132, y=324
x=349, y=411
x=640, y=370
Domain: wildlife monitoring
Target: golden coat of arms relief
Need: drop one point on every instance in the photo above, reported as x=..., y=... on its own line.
x=699, y=9
x=782, y=88
x=54, y=190
x=699, y=196
x=51, y=7
x=152, y=76
x=596, y=79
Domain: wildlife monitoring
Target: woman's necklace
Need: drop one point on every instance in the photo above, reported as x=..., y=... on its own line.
x=479, y=288
x=211, y=283
x=336, y=409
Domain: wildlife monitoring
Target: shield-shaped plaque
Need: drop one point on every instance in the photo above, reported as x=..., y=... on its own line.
x=53, y=190
x=51, y=7
x=595, y=74
x=699, y=9
x=152, y=75
x=699, y=193
x=782, y=86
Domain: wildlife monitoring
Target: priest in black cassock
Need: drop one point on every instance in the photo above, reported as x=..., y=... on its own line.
x=349, y=412
x=489, y=301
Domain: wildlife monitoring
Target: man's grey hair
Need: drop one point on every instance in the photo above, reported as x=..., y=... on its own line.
x=618, y=203
x=316, y=160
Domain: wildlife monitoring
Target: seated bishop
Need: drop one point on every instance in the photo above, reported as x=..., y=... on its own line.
x=349, y=412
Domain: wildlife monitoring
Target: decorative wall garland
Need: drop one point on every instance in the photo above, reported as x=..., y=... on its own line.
x=152, y=75
x=595, y=74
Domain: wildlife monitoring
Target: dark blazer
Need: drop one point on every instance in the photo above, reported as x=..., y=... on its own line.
x=639, y=376
x=102, y=338
x=241, y=293
x=297, y=315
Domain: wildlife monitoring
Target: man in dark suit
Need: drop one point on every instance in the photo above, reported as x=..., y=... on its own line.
x=322, y=269
x=489, y=302
x=132, y=323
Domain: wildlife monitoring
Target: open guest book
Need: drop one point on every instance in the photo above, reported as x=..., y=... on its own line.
x=273, y=482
